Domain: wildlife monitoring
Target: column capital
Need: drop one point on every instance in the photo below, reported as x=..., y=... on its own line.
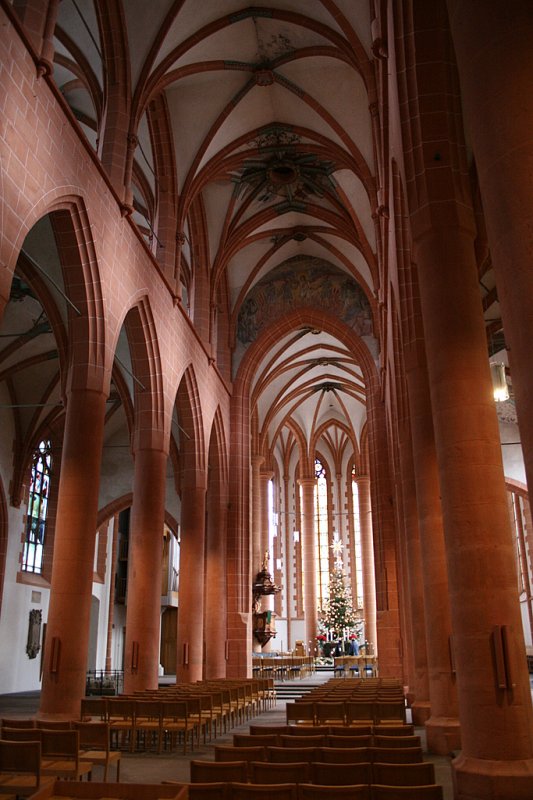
x=256, y=460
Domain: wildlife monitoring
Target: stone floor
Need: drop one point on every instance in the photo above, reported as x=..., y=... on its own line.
x=152, y=768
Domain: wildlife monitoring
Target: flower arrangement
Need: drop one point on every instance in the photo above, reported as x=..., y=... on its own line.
x=321, y=637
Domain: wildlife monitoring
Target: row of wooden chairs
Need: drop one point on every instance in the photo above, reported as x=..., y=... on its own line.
x=331, y=755
x=323, y=740
x=334, y=730
x=346, y=712
x=27, y=755
x=303, y=791
x=318, y=772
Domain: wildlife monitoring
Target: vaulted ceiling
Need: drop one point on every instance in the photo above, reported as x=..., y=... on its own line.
x=261, y=124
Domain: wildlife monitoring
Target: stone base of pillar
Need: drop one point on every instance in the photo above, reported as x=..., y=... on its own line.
x=443, y=735
x=478, y=778
x=420, y=712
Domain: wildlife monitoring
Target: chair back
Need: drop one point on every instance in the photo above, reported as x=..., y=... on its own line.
x=217, y=771
x=21, y=734
x=8, y=722
x=93, y=735
x=397, y=741
x=309, y=791
x=349, y=741
x=209, y=791
x=432, y=792
x=291, y=772
x=255, y=740
x=258, y=791
x=343, y=774
x=20, y=756
x=344, y=755
x=282, y=755
x=65, y=744
x=302, y=741
x=403, y=774
x=397, y=755
x=54, y=724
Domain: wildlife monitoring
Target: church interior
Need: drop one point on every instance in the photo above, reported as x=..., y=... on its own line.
x=264, y=332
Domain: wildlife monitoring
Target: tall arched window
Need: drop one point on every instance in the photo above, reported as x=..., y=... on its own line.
x=32, y=556
x=322, y=533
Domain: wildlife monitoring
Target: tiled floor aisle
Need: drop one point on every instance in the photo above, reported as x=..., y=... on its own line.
x=151, y=768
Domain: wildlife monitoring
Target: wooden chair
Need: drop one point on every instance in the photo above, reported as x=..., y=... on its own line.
x=432, y=792
x=93, y=708
x=302, y=741
x=346, y=730
x=60, y=752
x=403, y=774
x=247, y=754
x=344, y=755
x=21, y=734
x=20, y=768
x=209, y=791
x=397, y=741
x=349, y=741
x=217, y=771
x=300, y=713
x=265, y=730
x=121, y=718
x=176, y=722
x=95, y=746
x=394, y=730
x=255, y=740
x=148, y=727
x=54, y=724
x=9, y=722
x=341, y=774
x=308, y=791
x=359, y=712
x=386, y=713
x=333, y=713
x=397, y=755
x=259, y=791
x=284, y=755
x=307, y=730
x=291, y=772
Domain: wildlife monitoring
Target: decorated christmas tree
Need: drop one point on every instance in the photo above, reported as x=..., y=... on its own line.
x=338, y=612
x=338, y=615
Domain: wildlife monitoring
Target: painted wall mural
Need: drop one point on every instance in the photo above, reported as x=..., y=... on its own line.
x=304, y=282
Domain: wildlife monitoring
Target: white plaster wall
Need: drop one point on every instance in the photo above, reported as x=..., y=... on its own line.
x=297, y=632
x=18, y=673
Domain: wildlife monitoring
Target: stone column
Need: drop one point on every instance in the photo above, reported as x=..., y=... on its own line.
x=145, y=556
x=215, y=583
x=493, y=44
x=494, y=695
x=367, y=554
x=65, y=657
x=189, y=662
x=493, y=686
x=308, y=543
x=420, y=686
x=443, y=732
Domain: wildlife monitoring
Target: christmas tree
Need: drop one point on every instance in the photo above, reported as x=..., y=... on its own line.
x=338, y=612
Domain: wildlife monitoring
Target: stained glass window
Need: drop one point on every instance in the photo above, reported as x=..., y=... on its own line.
x=32, y=557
